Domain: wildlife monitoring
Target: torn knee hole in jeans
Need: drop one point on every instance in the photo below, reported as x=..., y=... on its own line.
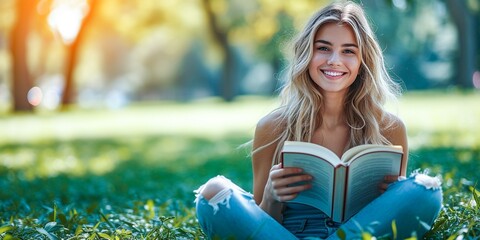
x=428, y=182
x=222, y=197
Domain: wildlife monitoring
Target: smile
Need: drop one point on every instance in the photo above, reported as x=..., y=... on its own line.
x=332, y=73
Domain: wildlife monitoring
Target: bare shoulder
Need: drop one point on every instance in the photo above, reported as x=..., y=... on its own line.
x=269, y=121
x=394, y=129
x=267, y=129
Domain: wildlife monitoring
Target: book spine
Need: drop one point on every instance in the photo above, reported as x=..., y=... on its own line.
x=339, y=186
x=344, y=207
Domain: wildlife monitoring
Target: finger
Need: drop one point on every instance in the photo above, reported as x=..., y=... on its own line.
x=383, y=187
x=289, y=193
x=288, y=170
x=276, y=166
x=284, y=172
x=291, y=180
x=284, y=198
x=292, y=190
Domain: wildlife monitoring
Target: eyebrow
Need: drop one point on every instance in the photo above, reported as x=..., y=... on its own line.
x=330, y=44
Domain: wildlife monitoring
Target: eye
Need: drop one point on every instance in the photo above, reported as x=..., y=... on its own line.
x=349, y=51
x=322, y=48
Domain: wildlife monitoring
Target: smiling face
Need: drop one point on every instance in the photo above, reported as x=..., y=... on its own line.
x=336, y=58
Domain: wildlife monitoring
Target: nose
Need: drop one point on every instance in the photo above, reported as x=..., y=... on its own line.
x=334, y=59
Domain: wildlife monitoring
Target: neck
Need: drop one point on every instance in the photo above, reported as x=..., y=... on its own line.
x=333, y=114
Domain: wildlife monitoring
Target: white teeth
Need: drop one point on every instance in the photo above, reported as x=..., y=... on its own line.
x=333, y=74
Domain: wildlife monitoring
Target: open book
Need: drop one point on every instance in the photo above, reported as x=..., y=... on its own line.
x=341, y=187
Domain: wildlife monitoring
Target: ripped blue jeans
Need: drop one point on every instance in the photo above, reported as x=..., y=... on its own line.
x=408, y=208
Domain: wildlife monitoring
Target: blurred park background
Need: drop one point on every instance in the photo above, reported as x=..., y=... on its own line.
x=110, y=53
x=113, y=111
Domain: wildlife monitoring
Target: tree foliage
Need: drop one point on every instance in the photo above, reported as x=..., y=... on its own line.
x=136, y=50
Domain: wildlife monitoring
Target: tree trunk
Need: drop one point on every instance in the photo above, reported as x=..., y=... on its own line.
x=464, y=21
x=72, y=58
x=21, y=79
x=227, y=85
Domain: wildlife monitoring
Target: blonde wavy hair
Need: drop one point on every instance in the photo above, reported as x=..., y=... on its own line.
x=301, y=101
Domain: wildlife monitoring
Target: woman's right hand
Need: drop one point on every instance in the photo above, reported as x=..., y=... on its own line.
x=284, y=184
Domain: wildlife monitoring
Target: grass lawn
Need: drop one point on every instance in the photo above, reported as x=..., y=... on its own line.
x=130, y=173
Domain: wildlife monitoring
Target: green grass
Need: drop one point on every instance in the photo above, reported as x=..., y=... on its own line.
x=130, y=174
x=147, y=191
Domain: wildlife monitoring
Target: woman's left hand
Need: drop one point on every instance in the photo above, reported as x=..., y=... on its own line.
x=387, y=180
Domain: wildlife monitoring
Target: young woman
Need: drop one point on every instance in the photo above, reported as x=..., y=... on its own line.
x=333, y=96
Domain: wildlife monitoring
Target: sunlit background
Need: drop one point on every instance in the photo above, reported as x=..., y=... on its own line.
x=111, y=53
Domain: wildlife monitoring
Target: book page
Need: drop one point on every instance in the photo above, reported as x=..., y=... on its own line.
x=320, y=195
x=352, y=153
x=364, y=176
x=312, y=149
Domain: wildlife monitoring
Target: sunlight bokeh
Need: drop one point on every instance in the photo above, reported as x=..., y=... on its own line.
x=476, y=79
x=65, y=18
x=35, y=96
